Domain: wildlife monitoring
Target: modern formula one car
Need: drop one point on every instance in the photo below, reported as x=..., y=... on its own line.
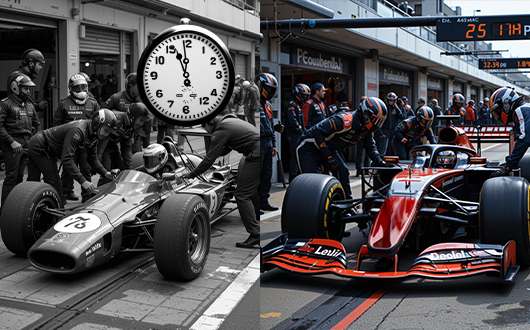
x=422, y=204
x=135, y=213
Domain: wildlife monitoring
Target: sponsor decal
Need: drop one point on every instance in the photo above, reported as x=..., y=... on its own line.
x=448, y=256
x=78, y=223
x=89, y=260
x=198, y=206
x=58, y=238
x=328, y=252
x=306, y=248
x=453, y=179
x=93, y=249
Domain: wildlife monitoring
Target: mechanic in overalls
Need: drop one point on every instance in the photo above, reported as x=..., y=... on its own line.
x=122, y=101
x=269, y=85
x=295, y=123
x=78, y=105
x=319, y=145
x=116, y=151
x=395, y=115
x=18, y=122
x=457, y=108
x=314, y=109
x=230, y=133
x=508, y=107
x=64, y=142
x=411, y=131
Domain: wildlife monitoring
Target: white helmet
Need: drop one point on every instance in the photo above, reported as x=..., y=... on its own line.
x=78, y=87
x=155, y=157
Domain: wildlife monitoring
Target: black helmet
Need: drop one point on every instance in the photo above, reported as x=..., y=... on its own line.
x=425, y=116
x=503, y=103
x=138, y=109
x=104, y=118
x=268, y=85
x=32, y=55
x=20, y=80
x=459, y=99
x=131, y=80
x=373, y=112
x=302, y=92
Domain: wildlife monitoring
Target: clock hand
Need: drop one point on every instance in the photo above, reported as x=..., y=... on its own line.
x=186, y=74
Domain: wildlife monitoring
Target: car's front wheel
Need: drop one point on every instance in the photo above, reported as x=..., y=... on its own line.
x=23, y=218
x=306, y=210
x=182, y=237
x=504, y=215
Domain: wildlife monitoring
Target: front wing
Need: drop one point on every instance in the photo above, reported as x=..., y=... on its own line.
x=441, y=261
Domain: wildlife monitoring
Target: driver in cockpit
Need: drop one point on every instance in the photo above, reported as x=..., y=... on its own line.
x=446, y=159
x=155, y=158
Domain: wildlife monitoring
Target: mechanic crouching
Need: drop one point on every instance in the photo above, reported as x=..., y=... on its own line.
x=116, y=152
x=319, y=145
x=412, y=131
x=508, y=107
x=229, y=132
x=64, y=142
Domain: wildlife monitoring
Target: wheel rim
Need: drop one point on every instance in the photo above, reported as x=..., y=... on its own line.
x=42, y=221
x=197, y=239
x=335, y=228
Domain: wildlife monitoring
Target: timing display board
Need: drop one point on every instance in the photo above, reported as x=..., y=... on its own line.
x=470, y=28
x=503, y=63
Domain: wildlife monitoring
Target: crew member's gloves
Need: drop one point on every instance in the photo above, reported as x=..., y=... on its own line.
x=332, y=163
x=405, y=142
x=505, y=171
x=381, y=163
x=43, y=105
x=279, y=128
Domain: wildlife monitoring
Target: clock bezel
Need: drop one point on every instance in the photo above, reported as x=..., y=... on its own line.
x=176, y=30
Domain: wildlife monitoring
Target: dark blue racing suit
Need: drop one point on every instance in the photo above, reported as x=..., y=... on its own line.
x=408, y=134
x=294, y=129
x=521, y=120
x=323, y=141
x=267, y=140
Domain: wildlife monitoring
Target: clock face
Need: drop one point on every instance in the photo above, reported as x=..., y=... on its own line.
x=187, y=75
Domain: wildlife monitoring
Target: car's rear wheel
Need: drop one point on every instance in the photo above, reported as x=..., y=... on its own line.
x=182, y=237
x=306, y=211
x=23, y=218
x=524, y=164
x=504, y=215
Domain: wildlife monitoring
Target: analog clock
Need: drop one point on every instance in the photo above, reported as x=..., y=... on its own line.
x=186, y=75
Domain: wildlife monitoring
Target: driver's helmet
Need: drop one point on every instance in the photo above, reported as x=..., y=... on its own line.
x=446, y=159
x=302, y=92
x=155, y=157
x=373, y=113
x=425, y=116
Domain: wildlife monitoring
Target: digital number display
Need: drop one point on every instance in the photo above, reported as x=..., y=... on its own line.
x=503, y=63
x=472, y=28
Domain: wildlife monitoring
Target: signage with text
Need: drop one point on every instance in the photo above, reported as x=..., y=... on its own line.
x=311, y=58
x=394, y=76
x=503, y=63
x=513, y=27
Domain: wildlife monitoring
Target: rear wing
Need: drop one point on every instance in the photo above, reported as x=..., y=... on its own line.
x=490, y=134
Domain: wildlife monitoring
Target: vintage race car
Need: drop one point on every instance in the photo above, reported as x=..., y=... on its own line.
x=128, y=215
x=420, y=205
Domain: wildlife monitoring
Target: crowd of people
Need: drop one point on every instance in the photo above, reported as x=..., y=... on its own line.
x=319, y=135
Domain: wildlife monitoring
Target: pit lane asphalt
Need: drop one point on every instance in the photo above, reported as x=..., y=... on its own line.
x=292, y=301
x=130, y=293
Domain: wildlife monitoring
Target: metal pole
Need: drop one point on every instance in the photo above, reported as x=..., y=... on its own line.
x=348, y=23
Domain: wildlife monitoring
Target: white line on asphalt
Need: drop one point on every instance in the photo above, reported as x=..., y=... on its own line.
x=227, y=301
x=493, y=146
x=276, y=213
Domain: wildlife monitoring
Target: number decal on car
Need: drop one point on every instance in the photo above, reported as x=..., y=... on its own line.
x=78, y=223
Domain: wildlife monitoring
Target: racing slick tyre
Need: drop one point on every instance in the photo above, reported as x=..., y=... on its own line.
x=306, y=209
x=182, y=237
x=503, y=215
x=524, y=165
x=23, y=219
x=138, y=159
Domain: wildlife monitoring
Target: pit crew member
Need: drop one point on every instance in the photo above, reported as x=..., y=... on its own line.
x=78, y=105
x=395, y=116
x=116, y=152
x=295, y=123
x=507, y=106
x=229, y=132
x=457, y=108
x=410, y=132
x=314, y=109
x=18, y=122
x=64, y=142
x=319, y=145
